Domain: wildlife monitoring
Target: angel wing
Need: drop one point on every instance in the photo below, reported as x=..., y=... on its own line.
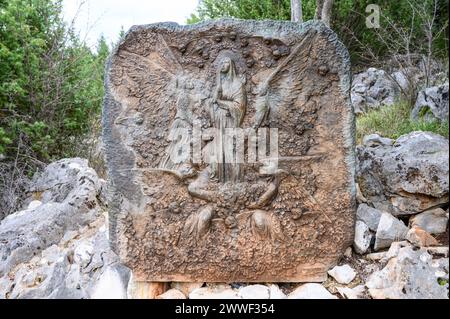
x=145, y=78
x=283, y=86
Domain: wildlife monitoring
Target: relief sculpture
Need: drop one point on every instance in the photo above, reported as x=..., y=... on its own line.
x=230, y=150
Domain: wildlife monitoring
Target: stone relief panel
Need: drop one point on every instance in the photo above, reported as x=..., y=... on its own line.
x=229, y=149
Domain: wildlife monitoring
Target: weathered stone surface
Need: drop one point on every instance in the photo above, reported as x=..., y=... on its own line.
x=83, y=254
x=342, y=274
x=409, y=275
x=171, y=220
x=370, y=216
x=145, y=289
x=214, y=292
x=433, y=221
x=254, y=292
x=54, y=273
x=59, y=248
x=352, y=293
x=186, y=287
x=373, y=140
x=372, y=89
x=276, y=293
x=68, y=191
x=389, y=229
x=311, y=291
x=420, y=238
x=432, y=104
x=172, y=294
x=395, y=249
x=110, y=285
x=348, y=252
x=363, y=237
x=408, y=177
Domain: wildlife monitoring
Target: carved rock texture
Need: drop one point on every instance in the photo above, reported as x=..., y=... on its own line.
x=407, y=177
x=176, y=221
x=432, y=104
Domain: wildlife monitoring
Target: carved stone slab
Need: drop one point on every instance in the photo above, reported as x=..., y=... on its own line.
x=283, y=219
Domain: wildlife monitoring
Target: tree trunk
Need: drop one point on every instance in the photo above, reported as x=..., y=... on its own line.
x=326, y=12
x=319, y=6
x=296, y=11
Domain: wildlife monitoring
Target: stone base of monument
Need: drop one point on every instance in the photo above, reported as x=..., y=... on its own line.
x=145, y=289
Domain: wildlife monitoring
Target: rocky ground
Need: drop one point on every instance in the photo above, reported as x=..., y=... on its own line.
x=58, y=246
x=375, y=88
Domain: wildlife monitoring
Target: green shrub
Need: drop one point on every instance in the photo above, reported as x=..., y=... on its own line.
x=394, y=121
x=51, y=84
x=397, y=19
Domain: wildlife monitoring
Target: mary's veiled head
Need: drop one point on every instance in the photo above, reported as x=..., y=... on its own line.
x=227, y=67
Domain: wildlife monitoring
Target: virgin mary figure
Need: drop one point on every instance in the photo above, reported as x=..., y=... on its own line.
x=227, y=109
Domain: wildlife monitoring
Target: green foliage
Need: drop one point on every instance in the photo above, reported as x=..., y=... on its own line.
x=399, y=20
x=349, y=21
x=394, y=121
x=248, y=9
x=4, y=140
x=442, y=281
x=50, y=83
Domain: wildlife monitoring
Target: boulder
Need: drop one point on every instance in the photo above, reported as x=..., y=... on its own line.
x=432, y=104
x=401, y=79
x=254, y=292
x=433, y=221
x=408, y=177
x=54, y=273
x=373, y=89
x=186, y=287
x=373, y=140
x=58, y=246
x=342, y=274
x=214, y=292
x=359, y=196
x=275, y=292
x=363, y=237
x=172, y=294
x=394, y=250
x=409, y=275
x=389, y=229
x=83, y=254
x=111, y=285
x=370, y=216
x=352, y=293
x=311, y=291
x=69, y=190
x=420, y=238
x=41, y=282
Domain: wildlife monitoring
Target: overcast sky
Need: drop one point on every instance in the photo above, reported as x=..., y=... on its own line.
x=106, y=17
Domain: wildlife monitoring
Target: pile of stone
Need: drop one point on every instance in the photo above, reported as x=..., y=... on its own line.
x=58, y=247
x=403, y=189
x=375, y=88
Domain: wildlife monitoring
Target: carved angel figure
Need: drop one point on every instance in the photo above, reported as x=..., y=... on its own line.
x=181, y=127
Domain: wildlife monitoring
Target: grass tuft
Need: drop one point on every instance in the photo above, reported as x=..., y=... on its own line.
x=395, y=121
